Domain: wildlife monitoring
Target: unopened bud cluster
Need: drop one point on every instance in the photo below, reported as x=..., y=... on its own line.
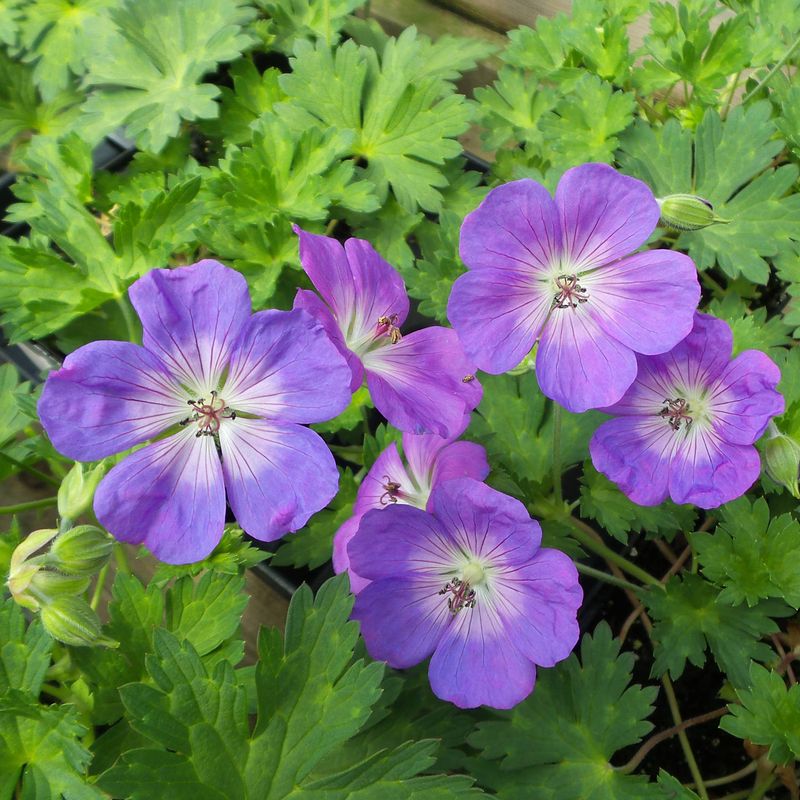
x=52, y=581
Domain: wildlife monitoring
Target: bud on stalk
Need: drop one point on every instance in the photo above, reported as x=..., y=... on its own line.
x=82, y=550
x=782, y=460
x=687, y=212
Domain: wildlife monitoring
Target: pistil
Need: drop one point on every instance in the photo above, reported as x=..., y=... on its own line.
x=677, y=412
x=392, y=491
x=208, y=416
x=570, y=293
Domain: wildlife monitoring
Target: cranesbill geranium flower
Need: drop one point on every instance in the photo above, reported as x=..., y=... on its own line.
x=421, y=382
x=469, y=585
x=686, y=427
x=556, y=269
x=431, y=460
x=222, y=382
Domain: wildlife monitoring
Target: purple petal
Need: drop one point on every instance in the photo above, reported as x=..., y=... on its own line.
x=402, y=619
x=538, y=605
x=107, y=397
x=387, y=468
x=309, y=302
x=277, y=475
x=476, y=663
x=647, y=301
x=285, y=367
x=168, y=496
x=580, y=366
x=515, y=228
x=485, y=523
x=635, y=453
x=604, y=215
x=192, y=317
x=646, y=395
x=707, y=472
x=341, y=559
x=400, y=540
x=357, y=284
x=417, y=383
x=498, y=314
x=744, y=399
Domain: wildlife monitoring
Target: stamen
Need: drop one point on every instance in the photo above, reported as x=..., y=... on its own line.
x=463, y=595
x=392, y=490
x=388, y=326
x=570, y=293
x=208, y=416
x=677, y=411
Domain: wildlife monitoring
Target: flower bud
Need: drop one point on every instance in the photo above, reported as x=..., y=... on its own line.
x=46, y=585
x=687, y=212
x=71, y=620
x=24, y=567
x=77, y=489
x=82, y=550
x=782, y=460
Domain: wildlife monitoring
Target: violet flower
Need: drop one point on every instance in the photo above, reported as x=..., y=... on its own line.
x=222, y=382
x=686, y=427
x=421, y=382
x=556, y=271
x=469, y=585
x=431, y=460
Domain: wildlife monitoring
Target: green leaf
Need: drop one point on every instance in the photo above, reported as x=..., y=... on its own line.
x=514, y=422
x=674, y=789
x=24, y=651
x=404, y=125
x=560, y=739
x=10, y=14
x=41, y=745
x=311, y=698
x=690, y=616
x=769, y=715
x=148, y=77
x=12, y=418
x=731, y=171
x=752, y=556
x=312, y=545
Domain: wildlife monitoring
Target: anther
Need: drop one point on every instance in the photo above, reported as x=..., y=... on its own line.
x=463, y=595
x=570, y=293
x=392, y=489
x=677, y=412
x=388, y=325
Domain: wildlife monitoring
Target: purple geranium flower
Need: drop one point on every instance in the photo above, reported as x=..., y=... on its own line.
x=468, y=584
x=555, y=269
x=222, y=380
x=431, y=461
x=421, y=382
x=686, y=426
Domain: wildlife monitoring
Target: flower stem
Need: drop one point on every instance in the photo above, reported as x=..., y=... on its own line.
x=783, y=59
x=587, y=537
x=30, y=505
x=604, y=576
x=127, y=316
x=731, y=93
x=121, y=558
x=42, y=476
x=557, y=454
x=98, y=587
x=683, y=738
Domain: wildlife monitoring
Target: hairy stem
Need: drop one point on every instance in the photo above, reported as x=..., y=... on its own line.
x=605, y=577
x=127, y=316
x=45, y=502
x=98, y=587
x=557, y=455
x=42, y=476
x=783, y=59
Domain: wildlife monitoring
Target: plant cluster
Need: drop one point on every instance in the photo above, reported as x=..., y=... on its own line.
x=301, y=305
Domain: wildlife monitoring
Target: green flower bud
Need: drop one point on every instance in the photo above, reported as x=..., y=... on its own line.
x=77, y=489
x=82, y=550
x=47, y=585
x=687, y=212
x=71, y=620
x=23, y=568
x=782, y=460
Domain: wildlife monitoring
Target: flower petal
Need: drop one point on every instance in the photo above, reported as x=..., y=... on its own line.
x=310, y=303
x=285, y=367
x=476, y=663
x=107, y=397
x=168, y=496
x=516, y=228
x=341, y=559
x=635, y=453
x=498, y=315
x=604, y=215
x=485, y=523
x=647, y=394
x=744, y=398
x=647, y=301
x=538, y=605
x=580, y=366
x=402, y=619
x=373, y=493
x=277, y=475
x=417, y=383
x=192, y=317
x=402, y=539
x=708, y=472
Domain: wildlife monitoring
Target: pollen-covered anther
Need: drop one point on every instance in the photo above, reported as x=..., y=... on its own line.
x=387, y=325
x=392, y=490
x=208, y=415
x=463, y=595
x=676, y=412
x=570, y=293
